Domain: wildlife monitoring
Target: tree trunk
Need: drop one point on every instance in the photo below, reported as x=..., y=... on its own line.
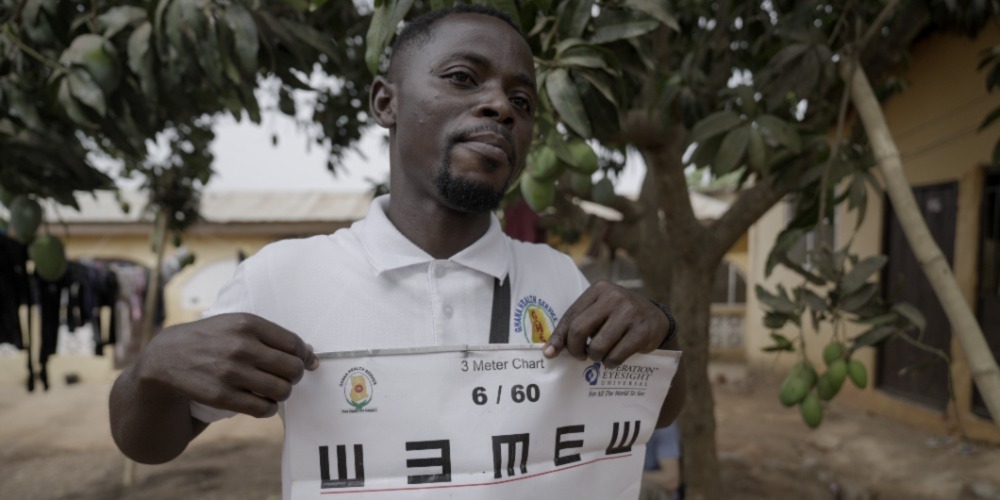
x=935, y=266
x=692, y=286
x=153, y=287
x=679, y=264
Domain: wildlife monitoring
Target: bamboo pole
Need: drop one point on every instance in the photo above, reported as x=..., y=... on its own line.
x=932, y=260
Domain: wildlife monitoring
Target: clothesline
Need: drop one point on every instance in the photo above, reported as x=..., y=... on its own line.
x=89, y=286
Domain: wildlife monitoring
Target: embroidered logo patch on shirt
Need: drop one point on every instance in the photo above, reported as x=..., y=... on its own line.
x=534, y=318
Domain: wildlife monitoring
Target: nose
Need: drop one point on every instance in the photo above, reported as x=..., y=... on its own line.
x=495, y=105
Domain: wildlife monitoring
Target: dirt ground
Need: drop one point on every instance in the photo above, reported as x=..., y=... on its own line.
x=57, y=445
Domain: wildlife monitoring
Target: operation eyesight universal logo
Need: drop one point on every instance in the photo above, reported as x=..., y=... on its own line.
x=534, y=318
x=624, y=380
x=358, y=385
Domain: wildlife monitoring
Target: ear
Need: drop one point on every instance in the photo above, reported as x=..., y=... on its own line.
x=383, y=102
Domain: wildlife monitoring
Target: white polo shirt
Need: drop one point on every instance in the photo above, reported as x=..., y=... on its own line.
x=368, y=286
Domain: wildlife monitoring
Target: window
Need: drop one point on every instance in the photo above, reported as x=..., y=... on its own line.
x=730, y=285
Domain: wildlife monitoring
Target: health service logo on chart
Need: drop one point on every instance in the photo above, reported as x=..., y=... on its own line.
x=358, y=385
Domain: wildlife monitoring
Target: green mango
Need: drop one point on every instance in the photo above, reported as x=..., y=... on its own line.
x=538, y=194
x=49, y=256
x=25, y=217
x=825, y=387
x=837, y=372
x=858, y=374
x=812, y=410
x=833, y=351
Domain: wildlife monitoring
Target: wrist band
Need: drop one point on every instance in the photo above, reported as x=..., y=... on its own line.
x=672, y=331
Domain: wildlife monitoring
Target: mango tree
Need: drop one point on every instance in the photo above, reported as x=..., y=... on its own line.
x=140, y=83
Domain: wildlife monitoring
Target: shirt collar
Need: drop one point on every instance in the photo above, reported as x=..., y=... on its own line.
x=388, y=249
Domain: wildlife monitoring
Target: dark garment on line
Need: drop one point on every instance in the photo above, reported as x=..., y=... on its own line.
x=14, y=289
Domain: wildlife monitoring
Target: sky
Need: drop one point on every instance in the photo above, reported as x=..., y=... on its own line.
x=246, y=160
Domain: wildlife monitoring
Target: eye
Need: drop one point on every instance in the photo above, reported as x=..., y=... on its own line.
x=521, y=102
x=461, y=77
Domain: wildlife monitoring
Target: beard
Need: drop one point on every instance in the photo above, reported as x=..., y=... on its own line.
x=465, y=195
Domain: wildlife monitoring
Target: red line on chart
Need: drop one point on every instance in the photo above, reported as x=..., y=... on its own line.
x=493, y=483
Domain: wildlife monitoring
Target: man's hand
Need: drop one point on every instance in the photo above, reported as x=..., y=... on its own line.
x=608, y=324
x=236, y=362
x=617, y=323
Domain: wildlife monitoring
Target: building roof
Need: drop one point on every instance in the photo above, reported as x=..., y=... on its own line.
x=272, y=213
x=222, y=207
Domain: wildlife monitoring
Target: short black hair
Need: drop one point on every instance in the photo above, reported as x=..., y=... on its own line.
x=418, y=31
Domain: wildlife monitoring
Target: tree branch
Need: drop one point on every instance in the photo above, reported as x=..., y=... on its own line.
x=877, y=24
x=750, y=206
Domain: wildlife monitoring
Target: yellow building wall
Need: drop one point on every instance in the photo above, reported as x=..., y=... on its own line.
x=934, y=124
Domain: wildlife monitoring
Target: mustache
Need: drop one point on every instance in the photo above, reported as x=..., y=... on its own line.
x=463, y=134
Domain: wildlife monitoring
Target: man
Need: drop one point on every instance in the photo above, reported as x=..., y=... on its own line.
x=421, y=269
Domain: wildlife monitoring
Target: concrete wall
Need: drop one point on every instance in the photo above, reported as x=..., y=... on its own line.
x=934, y=123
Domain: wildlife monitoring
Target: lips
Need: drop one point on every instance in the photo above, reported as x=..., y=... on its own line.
x=491, y=144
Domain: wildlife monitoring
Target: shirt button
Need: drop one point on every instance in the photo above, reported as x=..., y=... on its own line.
x=448, y=311
x=439, y=271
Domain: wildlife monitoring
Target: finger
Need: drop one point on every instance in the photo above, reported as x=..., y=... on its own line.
x=246, y=402
x=266, y=385
x=583, y=327
x=280, y=364
x=558, y=339
x=630, y=343
x=278, y=337
x=609, y=335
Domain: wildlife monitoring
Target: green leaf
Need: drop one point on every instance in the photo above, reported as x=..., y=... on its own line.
x=775, y=320
x=655, y=8
x=731, y=150
x=382, y=28
x=629, y=29
x=70, y=105
x=814, y=301
x=565, y=98
x=781, y=131
x=757, y=151
x=778, y=303
x=573, y=23
x=781, y=343
x=857, y=198
x=873, y=337
x=583, y=56
x=140, y=59
x=881, y=319
x=84, y=88
x=857, y=300
x=786, y=240
x=714, y=124
x=117, y=18
x=603, y=83
x=860, y=273
x=245, y=37
x=912, y=314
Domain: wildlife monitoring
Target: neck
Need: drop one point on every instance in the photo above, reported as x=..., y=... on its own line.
x=436, y=229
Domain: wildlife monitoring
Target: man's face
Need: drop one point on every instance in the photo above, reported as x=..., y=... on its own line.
x=465, y=104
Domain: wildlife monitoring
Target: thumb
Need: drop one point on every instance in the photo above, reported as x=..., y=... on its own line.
x=555, y=344
x=310, y=359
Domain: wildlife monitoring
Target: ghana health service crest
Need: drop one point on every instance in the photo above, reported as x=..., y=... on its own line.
x=358, y=385
x=534, y=318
